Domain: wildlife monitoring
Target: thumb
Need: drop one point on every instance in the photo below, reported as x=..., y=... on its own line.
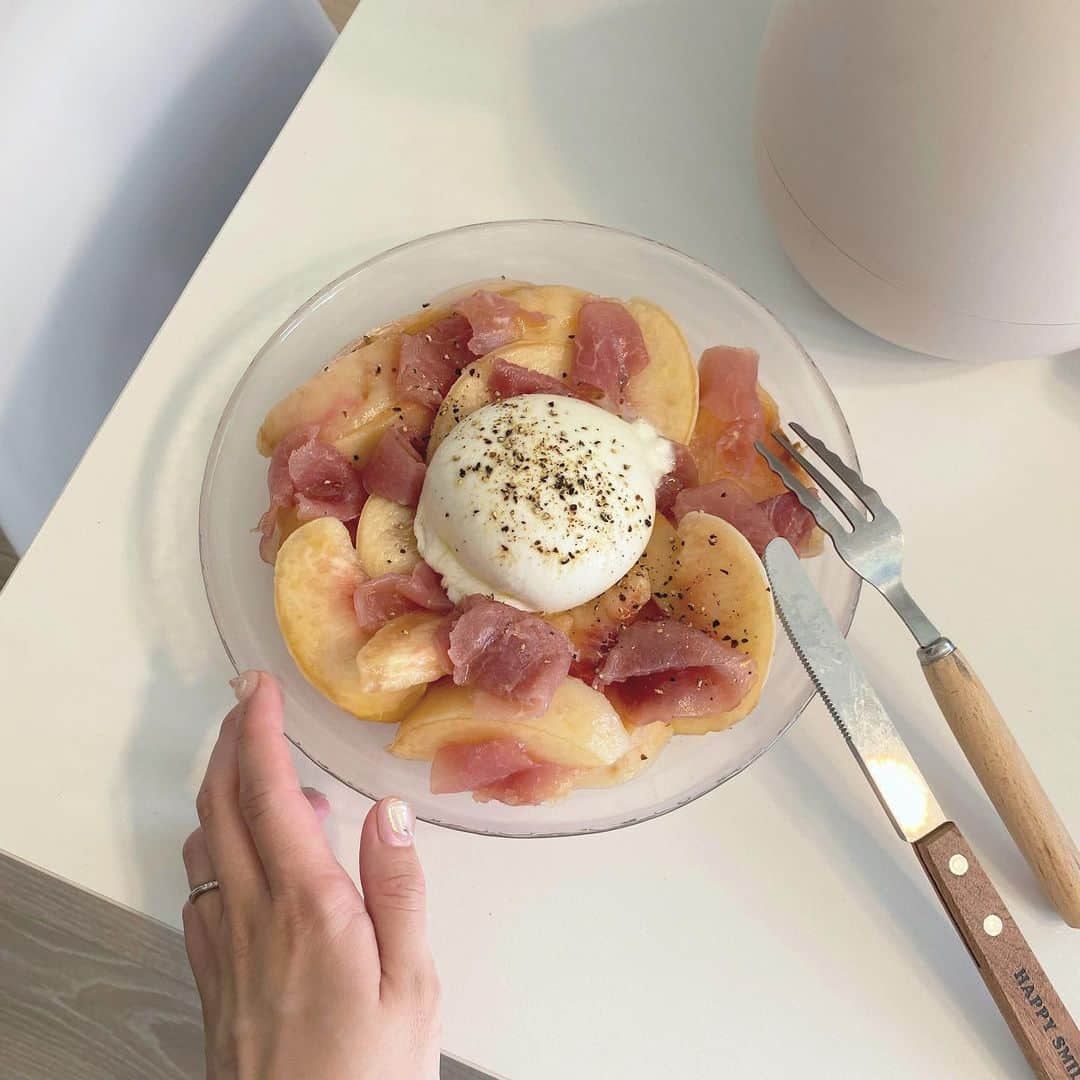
x=394, y=891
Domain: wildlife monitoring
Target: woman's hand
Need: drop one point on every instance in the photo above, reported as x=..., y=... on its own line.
x=298, y=973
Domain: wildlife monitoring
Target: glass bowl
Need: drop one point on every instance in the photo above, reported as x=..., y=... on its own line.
x=709, y=308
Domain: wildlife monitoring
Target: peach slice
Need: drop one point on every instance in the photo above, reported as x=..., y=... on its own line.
x=405, y=652
x=580, y=728
x=352, y=398
x=470, y=392
x=385, y=541
x=646, y=744
x=719, y=585
x=314, y=578
x=561, y=302
x=661, y=557
x=589, y=626
x=666, y=392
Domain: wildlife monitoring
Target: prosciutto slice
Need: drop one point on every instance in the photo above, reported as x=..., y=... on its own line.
x=380, y=599
x=782, y=515
x=726, y=499
x=729, y=392
x=496, y=320
x=663, y=669
x=312, y=476
x=430, y=361
x=511, y=380
x=465, y=766
x=684, y=474
x=530, y=787
x=395, y=469
x=609, y=350
x=510, y=654
x=791, y=520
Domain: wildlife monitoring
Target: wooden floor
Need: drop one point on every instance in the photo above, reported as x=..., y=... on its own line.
x=338, y=11
x=93, y=991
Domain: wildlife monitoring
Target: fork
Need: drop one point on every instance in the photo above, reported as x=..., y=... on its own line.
x=873, y=548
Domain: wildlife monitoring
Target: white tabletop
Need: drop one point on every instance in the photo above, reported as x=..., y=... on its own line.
x=776, y=927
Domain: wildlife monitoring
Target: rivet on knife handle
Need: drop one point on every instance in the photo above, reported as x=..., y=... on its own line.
x=873, y=548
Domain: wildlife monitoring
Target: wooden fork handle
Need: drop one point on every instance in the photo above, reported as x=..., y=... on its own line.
x=1037, y=1017
x=1007, y=778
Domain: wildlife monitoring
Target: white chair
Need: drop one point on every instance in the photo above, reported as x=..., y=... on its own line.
x=130, y=130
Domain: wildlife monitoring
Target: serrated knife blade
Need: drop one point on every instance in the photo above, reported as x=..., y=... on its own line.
x=850, y=698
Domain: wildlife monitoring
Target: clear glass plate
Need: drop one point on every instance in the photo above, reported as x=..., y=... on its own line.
x=709, y=308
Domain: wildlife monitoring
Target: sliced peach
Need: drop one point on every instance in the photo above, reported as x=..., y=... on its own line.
x=385, y=541
x=666, y=392
x=470, y=392
x=314, y=578
x=561, y=302
x=591, y=625
x=646, y=744
x=405, y=652
x=662, y=555
x=352, y=398
x=580, y=728
x=719, y=586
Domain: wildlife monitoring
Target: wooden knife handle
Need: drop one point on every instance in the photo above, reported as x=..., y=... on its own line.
x=1007, y=778
x=1039, y=1021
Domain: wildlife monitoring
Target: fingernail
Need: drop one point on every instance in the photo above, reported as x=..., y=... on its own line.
x=319, y=802
x=244, y=685
x=396, y=820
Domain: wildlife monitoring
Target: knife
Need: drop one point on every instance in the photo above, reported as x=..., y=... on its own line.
x=1038, y=1019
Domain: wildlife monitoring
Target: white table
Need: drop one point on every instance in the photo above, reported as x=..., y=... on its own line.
x=776, y=927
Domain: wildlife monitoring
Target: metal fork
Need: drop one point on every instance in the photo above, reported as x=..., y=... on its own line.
x=873, y=548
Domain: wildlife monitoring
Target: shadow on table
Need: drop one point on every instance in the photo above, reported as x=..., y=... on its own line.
x=677, y=152
x=914, y=912
x=1065, y=383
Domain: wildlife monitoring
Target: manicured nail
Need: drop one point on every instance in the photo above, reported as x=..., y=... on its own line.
x=244, y=685
x=319, y=802
x=396, y=820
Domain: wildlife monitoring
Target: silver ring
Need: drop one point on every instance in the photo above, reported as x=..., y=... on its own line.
x=205, y=887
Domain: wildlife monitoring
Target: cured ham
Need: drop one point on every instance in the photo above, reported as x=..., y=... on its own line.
x=465, y=766
x=496, y=320
x=395, y=469
x=684, y=474
x=380, y=599
x=791, y=520
x=509, y=654
x=430, y=361
x=726, y=499
x=609, y=350
x=781, y=515
x=530, y=787
x=591, y=627
x=729, y=392
x=312, y=476
x=694, y=691
x=663, y=669
x=509, y=380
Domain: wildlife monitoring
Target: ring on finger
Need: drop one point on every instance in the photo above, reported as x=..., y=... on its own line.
x=205, y=887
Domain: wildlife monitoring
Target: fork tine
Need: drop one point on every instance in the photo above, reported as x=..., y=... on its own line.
x=845, y=472
x=846, y=507
x=809, y=500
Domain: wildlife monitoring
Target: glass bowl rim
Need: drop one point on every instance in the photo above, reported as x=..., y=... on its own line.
x=324, y=294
